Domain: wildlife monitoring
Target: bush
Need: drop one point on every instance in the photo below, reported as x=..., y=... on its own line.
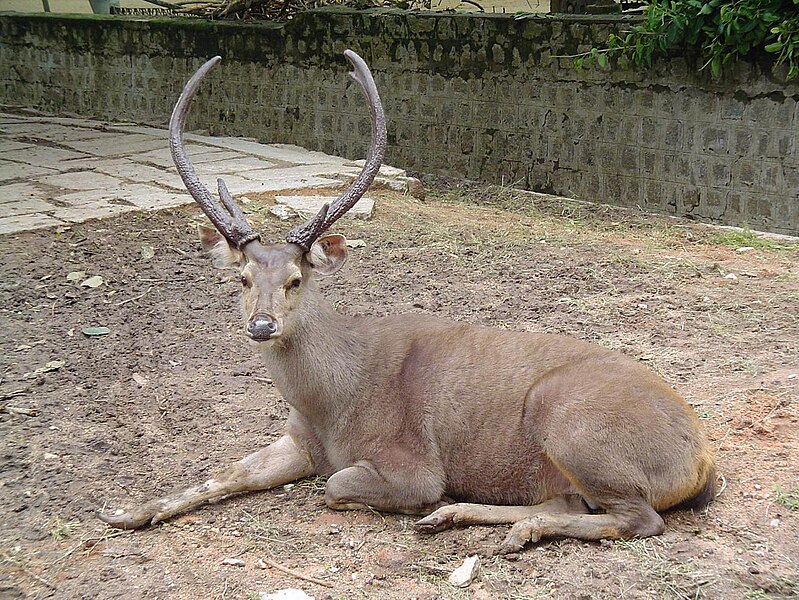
x=721, y=30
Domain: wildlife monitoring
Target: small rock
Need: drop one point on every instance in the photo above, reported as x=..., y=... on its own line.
x=356, y=243
x=287, y=594
x=774, y=522
x=233, y=562
x=465, y=574
x=282, y=212
x=731, y=276
x=261, y=564
x=744, y=249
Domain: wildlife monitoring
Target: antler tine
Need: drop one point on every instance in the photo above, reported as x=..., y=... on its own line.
x=229, y=221
x=305, y=235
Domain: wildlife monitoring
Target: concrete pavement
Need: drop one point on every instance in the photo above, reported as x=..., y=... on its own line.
x=57, y=171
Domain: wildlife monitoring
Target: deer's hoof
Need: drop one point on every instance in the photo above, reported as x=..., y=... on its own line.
x=125, y=520
x=523, y=532
x=435, y=522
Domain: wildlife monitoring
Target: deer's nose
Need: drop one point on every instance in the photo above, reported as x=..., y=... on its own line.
x=261, y=327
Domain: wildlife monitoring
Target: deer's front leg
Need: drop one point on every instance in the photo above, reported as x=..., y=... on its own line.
x=278, y=463
x=409, y=491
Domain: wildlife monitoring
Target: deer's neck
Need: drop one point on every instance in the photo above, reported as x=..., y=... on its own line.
x=317, y=365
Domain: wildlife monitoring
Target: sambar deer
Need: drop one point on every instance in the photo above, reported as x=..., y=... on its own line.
x=407, y=414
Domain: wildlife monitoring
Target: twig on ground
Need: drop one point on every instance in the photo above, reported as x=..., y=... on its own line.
x=135, y=297
x=293, y=573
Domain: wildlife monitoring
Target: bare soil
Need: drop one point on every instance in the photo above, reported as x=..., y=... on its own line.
x=173, y=392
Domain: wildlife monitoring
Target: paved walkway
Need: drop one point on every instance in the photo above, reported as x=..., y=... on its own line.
x=56, y=171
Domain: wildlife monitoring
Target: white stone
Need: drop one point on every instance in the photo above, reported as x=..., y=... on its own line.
x=287, y=594
x=233, y=562
x=284, y=213
x=466, y=573
x=308, y=206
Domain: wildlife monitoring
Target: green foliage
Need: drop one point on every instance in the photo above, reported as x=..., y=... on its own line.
x=721, y=30
x=788, y=498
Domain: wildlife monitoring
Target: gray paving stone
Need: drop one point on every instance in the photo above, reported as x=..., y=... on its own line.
x=10, y=145
x=112, y=169
x=232, y=165
x=140, y=129
x=93, y=210
x=14, y=170
x=81, y=180
x=131, y=171
x=20, y=223
x=278, y=184
x=308, y=206
x=19, y=192
x=43, y=156
x=198, y=153
x=326, y=171
x=385, y=170
x=24, y=207
x=126, y=194
x=115, y=146
x=279, y=152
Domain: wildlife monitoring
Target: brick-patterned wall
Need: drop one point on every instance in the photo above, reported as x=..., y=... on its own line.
x=473, y=96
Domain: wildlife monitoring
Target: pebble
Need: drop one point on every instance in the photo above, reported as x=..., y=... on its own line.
x=287, y=594
x=233, y=562
x=464, y=575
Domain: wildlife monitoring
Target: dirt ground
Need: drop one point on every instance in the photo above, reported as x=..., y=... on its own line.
x=173, y=391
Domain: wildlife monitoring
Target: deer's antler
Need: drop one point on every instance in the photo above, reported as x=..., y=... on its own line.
x=227, y=217
x=305, y=235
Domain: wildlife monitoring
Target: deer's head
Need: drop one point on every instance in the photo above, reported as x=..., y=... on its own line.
x=275, y=278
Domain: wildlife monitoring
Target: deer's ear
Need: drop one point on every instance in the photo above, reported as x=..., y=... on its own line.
x=327, y=254
x=216, y=246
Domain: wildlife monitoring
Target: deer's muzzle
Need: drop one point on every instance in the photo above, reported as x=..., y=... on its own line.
x=261, y=327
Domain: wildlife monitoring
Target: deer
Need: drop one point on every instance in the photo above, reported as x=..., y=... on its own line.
x=456, y=423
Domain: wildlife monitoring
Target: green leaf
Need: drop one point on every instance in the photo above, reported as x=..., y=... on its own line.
x=602, y=60
x=715, y=66
x=775, y=47
x=95, y=331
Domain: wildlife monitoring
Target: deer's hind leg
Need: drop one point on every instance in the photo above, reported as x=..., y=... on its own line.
x=629, y=518
x=462, y=513
x=279, y=463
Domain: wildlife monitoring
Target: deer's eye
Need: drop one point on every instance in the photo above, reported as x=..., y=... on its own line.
x=295, y=283
x=244, y=281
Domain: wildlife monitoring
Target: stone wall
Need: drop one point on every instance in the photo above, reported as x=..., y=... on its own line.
x=473, y=96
